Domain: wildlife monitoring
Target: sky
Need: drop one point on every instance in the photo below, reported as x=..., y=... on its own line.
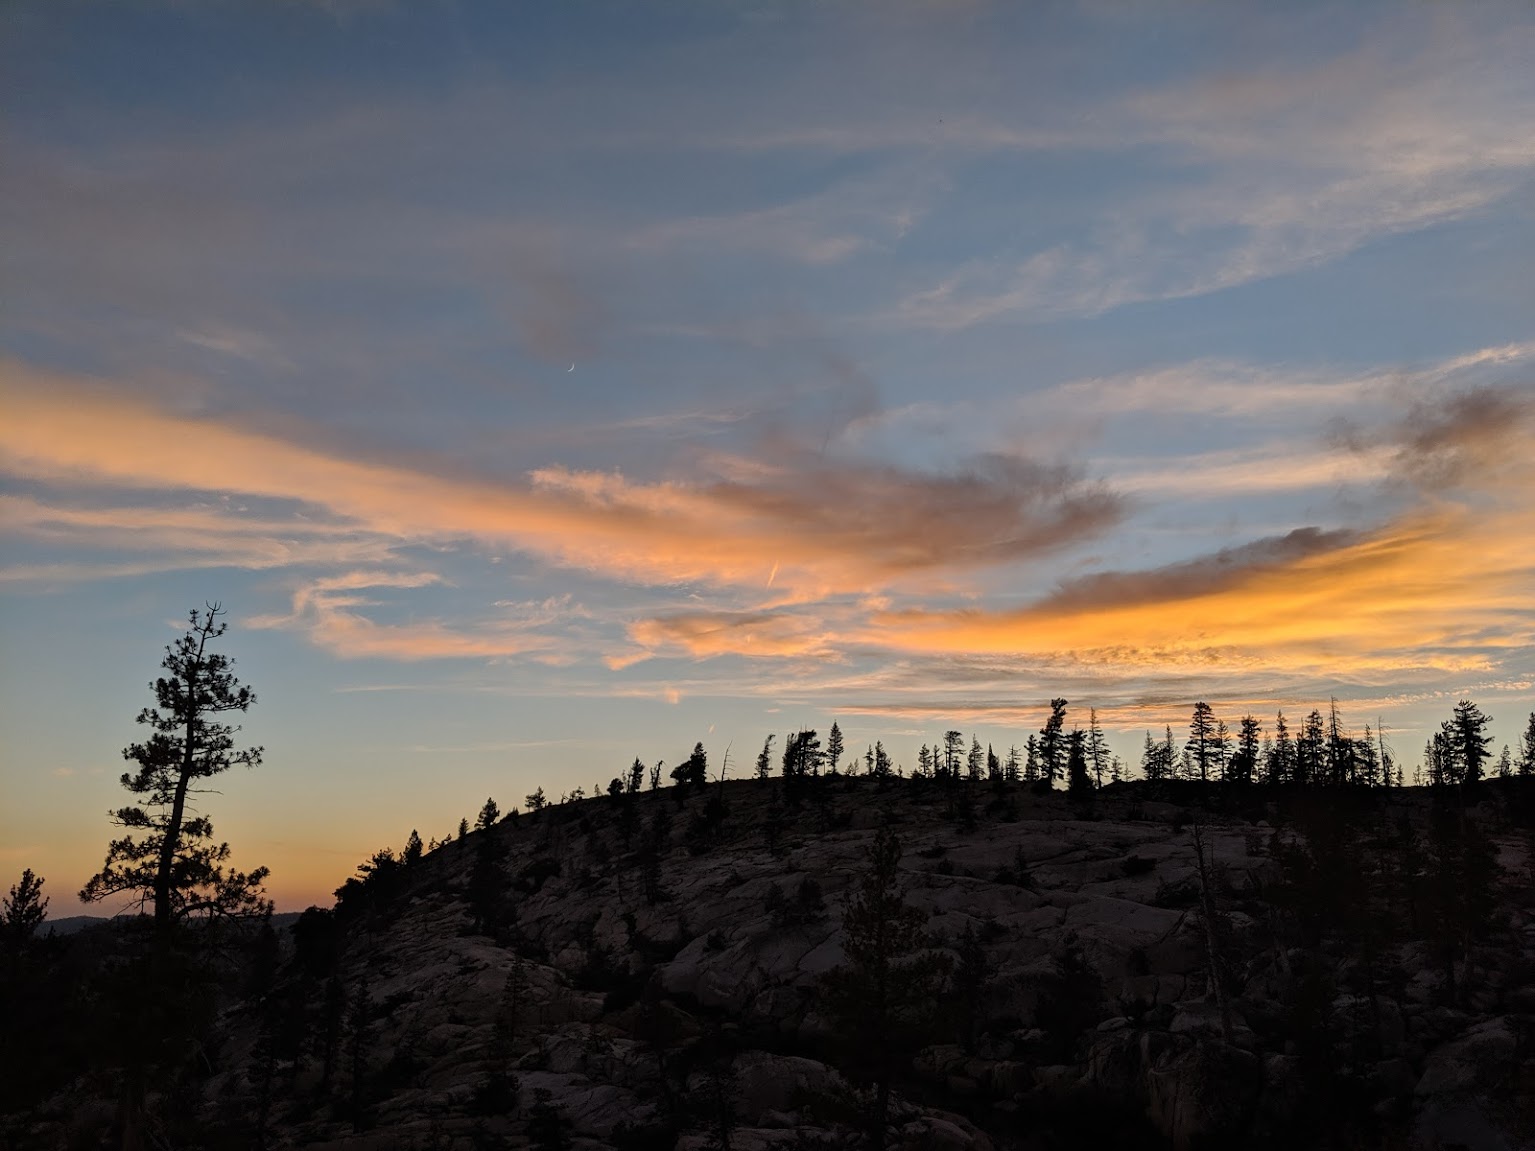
x=542, y=386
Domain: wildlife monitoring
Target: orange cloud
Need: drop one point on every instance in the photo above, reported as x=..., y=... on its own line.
x=758, y=633
x=816, y=528
x=1447, y=587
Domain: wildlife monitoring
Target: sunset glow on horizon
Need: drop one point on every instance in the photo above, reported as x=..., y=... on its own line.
x=542, y=388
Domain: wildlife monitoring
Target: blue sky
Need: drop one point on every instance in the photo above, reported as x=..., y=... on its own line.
x=542, y=386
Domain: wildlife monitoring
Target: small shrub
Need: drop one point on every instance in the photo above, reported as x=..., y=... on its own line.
x=392, y=1003
x=1070, y=1002
x=1134, y=1009
x=809, y=896
x=546, y=1125
x=1176, y=896
x=402, y=1070
x=598, y=972
x=1017, y=875
x=1136, y=865
x=806, y=907
x=532, y=877
x=496, y=1096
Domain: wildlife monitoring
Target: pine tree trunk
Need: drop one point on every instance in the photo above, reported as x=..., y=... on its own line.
x=881, y=1111
x=168, y=846
x=1212, y=950
x=131, y=1117
x=172, y=835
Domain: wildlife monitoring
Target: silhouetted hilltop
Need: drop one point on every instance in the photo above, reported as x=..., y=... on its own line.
x=1149, y=965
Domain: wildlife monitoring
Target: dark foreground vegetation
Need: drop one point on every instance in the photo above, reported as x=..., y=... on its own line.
x=873, y=963
x=1270, y=943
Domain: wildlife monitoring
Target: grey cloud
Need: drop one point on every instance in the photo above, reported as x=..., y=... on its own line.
x=1202, y=576
x=996, y=509
x=1445, y=443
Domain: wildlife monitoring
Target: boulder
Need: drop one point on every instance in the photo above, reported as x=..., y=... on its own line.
x=1203, y=1093
x=1480, y=1060
x=1463, y=1126
x=942, y=1132
x=1113, y=1062
x=767, y=1084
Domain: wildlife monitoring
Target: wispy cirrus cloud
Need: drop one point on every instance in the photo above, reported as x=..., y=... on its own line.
x=1211, y=430
x=179, y=536
x=706, y=634
x=1438, y=587
x=1444, y=584
x=826, y=227
x=332, y=612
x=1275, y=171
x=806, y=525
x=1226, y=473
x=807, y=560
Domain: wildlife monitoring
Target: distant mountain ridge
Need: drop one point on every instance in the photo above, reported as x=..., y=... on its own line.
x=70, y=924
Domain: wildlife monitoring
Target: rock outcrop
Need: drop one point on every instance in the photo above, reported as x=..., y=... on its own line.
x=684, y=1006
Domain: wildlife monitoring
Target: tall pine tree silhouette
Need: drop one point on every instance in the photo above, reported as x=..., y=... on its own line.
x=168, y=858
x=885, y=994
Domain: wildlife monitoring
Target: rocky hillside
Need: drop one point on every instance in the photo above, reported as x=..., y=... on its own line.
x=648, y=970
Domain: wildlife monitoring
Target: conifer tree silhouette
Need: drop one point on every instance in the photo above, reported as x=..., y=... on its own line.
x=765, y=759
x=546, y=1126
x=1469, y=742
x=952, y=742
x=1527, y=749
x=487, y=885
x=357, y=1024
x=168, y=858
x=1078, y=782
x=885, y=994
x=1201, y=743
x=1280, y=768
x=1245, y=762
x=1052, y=743
x=834, y=748
x=23, y=911
x=1097, y=747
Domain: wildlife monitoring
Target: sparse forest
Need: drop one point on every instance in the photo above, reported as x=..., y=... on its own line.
x=1271, y=937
